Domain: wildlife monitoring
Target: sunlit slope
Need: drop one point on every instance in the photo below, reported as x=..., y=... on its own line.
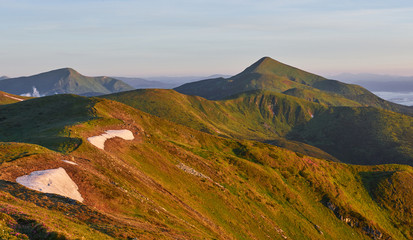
x=8, y=98
x=358, y=135
x=253, y=115
x=258, y=115
x=175, y=182
x=271, y=75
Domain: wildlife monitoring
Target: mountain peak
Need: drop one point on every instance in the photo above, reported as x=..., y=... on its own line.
x=67, y=70
x=268, y=65
x=63, y=80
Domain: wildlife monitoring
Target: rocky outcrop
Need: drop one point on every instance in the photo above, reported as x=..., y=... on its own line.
x=356, y=220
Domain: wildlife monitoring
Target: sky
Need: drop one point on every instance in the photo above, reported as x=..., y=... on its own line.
x=202, y=37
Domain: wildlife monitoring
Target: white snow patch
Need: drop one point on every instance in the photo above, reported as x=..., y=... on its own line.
x=99, y=141
x=51, y=181
x=35, y=93
x=70, y=162
x=18, y=99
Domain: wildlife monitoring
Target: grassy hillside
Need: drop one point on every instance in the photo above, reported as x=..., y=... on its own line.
x=360, y=135
x=257, y=115
x=175, y=182
x=65, y=80
x=324, y=98
x=8, y=98
x=254, y=115
x=41, y=121
x=271, y=75
x=374, y=136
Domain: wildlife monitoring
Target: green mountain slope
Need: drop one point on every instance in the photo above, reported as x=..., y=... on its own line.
x=360, y=135
x=175, y=182
x=65, y=80
x=40, y=122
x=271, y=75
x=374, y=136
x=256, y=115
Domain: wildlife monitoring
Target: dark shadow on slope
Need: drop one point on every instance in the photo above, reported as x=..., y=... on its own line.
x=44, y=121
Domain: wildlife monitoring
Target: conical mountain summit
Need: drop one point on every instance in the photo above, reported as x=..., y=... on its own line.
x=64, y=80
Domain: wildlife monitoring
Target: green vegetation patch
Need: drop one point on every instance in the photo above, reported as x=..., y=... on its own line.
x=363, y=135
x=44, y=121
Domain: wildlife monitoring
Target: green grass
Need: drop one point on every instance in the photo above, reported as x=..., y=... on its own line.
x=270, y=75
x=257, y=115
x=43, y=121
x=374, y=136
x=360, y=135
x=134, y=188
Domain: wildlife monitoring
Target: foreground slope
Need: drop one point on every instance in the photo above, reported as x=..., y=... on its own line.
x=271, y=75
x=65, y=80
x=175, y=182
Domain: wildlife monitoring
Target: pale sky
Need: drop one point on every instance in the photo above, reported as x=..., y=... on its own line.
x=203, y=37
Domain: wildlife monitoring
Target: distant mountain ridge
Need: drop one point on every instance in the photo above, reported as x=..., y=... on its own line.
x=65, y=80
x=271, y=75
x=163, y=82
x=140, y=83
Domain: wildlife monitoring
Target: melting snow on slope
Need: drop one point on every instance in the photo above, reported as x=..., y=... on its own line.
x=18, y=99
x=35, y=93
x=51, y=181
x=69, y=162
x=99, y=141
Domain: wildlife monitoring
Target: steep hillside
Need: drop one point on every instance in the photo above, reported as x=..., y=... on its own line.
x=318, y=96
x=65, y=80
x=174, y=182
x=271, y=75
x=7, y=98
x=256, y=115
x=360, y=135
x=252, y=115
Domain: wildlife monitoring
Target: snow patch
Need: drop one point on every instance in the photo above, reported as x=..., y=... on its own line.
x=35, y=93
x=99, y=141
x=69, y=162
x=18, y=99
x=51, y=181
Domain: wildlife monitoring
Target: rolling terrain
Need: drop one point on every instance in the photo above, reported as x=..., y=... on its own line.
x=65, y=80
x=374, y=135
x=201, y=168
x=271, y=75
x=255, y=115
x=172, y=181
